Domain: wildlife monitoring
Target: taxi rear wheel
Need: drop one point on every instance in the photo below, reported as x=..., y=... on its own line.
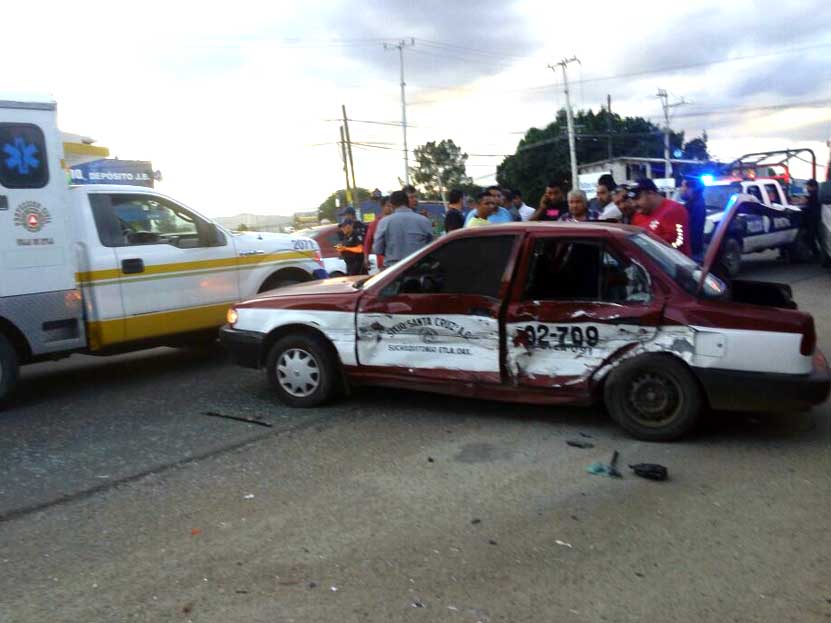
x=302, y=370
x=654, y=398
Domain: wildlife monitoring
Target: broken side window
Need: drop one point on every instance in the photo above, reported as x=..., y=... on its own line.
x=572, y=270
x=564, y=270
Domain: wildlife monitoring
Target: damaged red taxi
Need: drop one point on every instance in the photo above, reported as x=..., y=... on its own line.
x=544, y=313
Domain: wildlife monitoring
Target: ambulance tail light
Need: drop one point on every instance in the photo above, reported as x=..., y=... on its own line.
x=809, y=338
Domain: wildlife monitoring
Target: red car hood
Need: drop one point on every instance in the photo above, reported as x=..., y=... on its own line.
x=338, y=285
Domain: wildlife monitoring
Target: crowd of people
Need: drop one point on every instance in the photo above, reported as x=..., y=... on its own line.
x=401, y=228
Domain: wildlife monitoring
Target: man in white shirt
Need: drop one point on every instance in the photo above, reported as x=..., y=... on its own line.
x=525, y=211
x=605, y=205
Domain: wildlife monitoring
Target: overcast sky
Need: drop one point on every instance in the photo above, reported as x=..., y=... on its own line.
x=234, y=101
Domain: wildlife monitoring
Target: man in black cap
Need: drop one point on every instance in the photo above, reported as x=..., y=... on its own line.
x=663, y=217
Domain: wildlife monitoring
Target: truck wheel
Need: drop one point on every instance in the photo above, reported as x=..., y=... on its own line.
x=654, y=398
x=303, y=370
x=8, y=368
x=731, y=257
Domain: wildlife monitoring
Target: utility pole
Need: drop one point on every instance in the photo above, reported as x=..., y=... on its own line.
x=345, y=168
x=609, y=122
x=349, y=152
x=400, y=46
x=664, y=97
x=572, y=149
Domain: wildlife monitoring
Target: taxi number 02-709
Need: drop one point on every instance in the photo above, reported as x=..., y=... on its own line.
x=545, y=336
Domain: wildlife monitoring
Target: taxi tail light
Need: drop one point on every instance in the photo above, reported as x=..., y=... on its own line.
x=231, y=316
x=809, y=338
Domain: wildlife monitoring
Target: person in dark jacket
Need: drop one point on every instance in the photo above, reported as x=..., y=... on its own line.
x=811, y=220
x=692, y=192
x=351, y=246
x=454, y=219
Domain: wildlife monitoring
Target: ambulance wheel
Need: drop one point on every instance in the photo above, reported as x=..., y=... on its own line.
x=654, y=398
x=303, y=370
x=731, y=257
x=9, y=368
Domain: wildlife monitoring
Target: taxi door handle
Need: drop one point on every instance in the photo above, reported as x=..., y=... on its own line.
x=132, y=267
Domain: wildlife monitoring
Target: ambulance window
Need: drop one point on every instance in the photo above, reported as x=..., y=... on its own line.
x=23, y=162
x=132, y=220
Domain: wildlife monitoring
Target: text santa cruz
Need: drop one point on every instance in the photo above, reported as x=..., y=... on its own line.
x=441, y=323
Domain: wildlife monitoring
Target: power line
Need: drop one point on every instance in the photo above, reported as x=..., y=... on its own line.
x=462, y=48
x=645, y=72
x=823, y=103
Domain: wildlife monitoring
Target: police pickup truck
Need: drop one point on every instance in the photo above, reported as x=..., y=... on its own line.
x=766, y=221
x=104, y=269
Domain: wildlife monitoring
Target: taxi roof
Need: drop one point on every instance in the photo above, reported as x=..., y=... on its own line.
x=590, y=228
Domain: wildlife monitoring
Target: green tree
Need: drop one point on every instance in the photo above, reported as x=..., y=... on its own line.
x=542, y=154
x=328, y=209
x=242, y=227
x=440, y=166
x=697, y=149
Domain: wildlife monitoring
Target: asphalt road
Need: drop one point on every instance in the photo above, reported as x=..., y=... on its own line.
x=121, y=499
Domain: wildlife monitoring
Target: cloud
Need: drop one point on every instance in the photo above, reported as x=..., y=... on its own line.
x=455, y=41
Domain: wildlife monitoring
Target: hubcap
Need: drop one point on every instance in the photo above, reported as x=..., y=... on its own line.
x=298, y=372
x=653, y=398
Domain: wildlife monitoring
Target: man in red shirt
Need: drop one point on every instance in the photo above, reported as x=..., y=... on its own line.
x=663, y=217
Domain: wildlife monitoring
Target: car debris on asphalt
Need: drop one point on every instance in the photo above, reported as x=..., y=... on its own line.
x=650, y=471
x=608, y=469
x=576, y=443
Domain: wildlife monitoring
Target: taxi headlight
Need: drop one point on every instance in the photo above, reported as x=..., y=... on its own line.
x=232, y=316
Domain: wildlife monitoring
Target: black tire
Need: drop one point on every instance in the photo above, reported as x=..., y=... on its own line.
x=9, y=369
x=310, y=355
x=654, y=397
x=337, y=273
x=799, y=251
x=731, y=257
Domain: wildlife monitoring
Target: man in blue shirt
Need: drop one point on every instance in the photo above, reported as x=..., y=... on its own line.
x=499, y=215
x=402, y=232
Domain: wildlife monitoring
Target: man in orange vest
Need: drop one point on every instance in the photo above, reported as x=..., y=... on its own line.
x=351, y=246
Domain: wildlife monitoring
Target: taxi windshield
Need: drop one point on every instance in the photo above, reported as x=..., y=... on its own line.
x=682, y=269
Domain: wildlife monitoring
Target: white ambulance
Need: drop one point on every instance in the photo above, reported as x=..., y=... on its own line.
x=103, y=269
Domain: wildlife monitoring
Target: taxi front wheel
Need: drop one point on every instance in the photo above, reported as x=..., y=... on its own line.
x=654, y=398
x=302, y=369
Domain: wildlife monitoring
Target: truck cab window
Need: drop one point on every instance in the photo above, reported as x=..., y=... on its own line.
x=773, y=193
x=23, y=161
x=472, y=266
x=755, y=193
